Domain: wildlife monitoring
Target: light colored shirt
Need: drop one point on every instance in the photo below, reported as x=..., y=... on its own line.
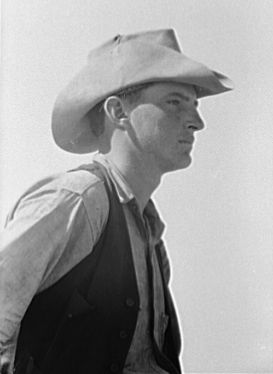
x=35, y=251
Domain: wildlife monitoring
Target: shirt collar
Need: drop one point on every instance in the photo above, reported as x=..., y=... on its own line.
x=126, y=195
x=124, y=191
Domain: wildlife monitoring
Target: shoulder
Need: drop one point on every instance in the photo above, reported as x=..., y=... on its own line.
x=83, y=184
x=78, y=181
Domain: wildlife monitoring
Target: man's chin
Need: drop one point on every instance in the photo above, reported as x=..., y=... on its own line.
x=185, y=163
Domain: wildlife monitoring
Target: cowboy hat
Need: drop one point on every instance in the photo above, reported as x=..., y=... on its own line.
x=125, y=61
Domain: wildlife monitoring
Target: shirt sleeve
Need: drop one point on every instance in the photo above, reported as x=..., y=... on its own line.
x=35, y=250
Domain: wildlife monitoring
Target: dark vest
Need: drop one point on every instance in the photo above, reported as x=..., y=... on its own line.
x=85, y=322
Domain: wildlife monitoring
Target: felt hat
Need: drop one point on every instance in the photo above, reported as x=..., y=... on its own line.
x=121, y=62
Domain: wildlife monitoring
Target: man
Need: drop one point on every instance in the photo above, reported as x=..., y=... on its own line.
x=84, y=270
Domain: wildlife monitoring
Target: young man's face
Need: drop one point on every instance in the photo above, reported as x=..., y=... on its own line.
x=163, y=125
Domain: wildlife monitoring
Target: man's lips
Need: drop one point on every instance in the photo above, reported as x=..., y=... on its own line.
x=186, y=141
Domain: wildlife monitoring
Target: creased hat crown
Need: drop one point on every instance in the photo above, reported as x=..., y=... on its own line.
x=166, y=38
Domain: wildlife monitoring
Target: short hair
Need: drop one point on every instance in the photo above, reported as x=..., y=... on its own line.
x=96, y=115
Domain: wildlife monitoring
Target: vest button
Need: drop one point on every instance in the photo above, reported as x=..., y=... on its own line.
x=130, y=302
x=123, y=334
x=114, y=368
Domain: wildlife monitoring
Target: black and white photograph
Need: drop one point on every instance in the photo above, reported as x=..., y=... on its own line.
x=136, y=187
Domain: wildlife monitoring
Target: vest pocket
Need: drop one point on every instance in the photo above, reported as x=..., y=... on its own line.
x=71, y=335
x=26, y=366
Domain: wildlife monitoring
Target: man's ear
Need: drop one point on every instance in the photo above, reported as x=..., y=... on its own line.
x=114, y=110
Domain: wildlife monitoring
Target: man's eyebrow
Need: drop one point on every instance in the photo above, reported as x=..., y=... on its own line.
x=183, y=97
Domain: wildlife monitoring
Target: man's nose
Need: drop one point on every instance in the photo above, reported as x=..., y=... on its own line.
x=196, y=123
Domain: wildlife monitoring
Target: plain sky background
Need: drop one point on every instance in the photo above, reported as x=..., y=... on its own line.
x=219, y=212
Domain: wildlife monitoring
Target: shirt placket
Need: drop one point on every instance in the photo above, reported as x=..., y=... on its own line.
x=157, y=319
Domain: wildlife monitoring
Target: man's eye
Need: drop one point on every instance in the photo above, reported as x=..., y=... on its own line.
x=173, y=102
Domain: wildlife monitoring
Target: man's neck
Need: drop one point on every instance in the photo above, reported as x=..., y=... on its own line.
x=140, y=176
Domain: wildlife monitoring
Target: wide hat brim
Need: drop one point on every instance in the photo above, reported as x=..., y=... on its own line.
x=115, y=66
